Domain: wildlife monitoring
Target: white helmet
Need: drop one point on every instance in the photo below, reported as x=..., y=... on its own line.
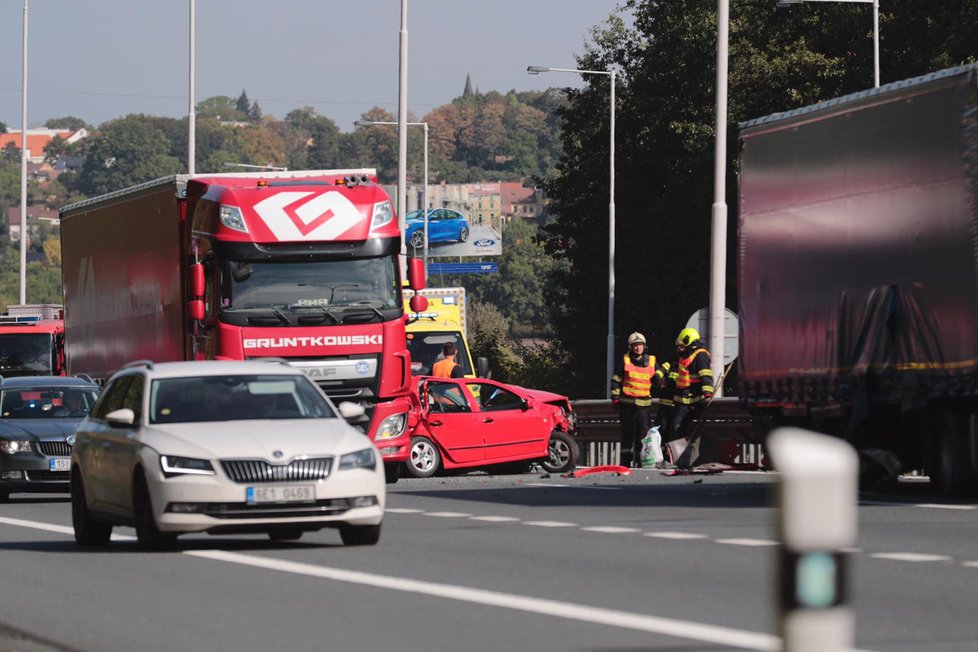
x=636, y=337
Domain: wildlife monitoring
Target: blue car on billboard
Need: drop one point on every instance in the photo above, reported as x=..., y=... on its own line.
x=444, y=225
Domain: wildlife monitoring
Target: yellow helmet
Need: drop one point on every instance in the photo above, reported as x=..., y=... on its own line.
x=687, y=336
x=636, y=337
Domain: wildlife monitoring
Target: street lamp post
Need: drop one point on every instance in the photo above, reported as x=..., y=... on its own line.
x=23, y=174
x=536, y=70
x=192, y=111
x=876, y=29
x=424, y=191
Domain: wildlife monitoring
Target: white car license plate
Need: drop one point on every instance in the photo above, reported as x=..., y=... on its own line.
x=301, y=493
x=59, y=464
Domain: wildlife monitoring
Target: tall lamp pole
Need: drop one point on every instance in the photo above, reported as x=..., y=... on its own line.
x=192, y=112
x=424, y=191
x=536, y=70
x=402, y=128
x=23, y=174
x=718, y=233
x=876, y=29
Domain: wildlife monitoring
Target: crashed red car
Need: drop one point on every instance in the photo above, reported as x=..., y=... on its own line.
x=463, y=423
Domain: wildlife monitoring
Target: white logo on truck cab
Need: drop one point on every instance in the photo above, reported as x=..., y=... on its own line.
x=322, y=217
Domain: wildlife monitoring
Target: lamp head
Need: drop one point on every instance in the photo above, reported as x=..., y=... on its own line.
x=536, y=70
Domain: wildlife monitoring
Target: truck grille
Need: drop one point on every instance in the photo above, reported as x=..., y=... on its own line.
x=55, y=448
x=252, y=471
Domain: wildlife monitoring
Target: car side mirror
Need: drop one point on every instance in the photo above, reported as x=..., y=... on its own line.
x=482, y=367
x=527, y=404
x=350, y=410
x=120, y=418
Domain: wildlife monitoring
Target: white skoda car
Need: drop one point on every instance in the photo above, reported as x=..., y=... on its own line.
x=222, y=448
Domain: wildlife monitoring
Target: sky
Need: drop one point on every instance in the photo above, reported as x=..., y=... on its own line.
x=103, y=59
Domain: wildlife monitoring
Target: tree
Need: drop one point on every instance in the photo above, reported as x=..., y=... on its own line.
x=67, y=122
x=243, y=105
x=220, y=107
x=127, y=151
x=3, y=128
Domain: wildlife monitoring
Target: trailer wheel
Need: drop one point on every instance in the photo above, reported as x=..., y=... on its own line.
x=951, y=473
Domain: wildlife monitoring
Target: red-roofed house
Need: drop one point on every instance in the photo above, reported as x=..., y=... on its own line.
x=38, y=139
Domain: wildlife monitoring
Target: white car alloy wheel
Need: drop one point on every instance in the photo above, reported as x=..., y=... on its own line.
x=425, y=459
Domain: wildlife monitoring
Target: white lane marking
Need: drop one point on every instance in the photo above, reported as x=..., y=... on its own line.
x=851, y=550
x=584, y=613
x=495, y=519
x=545, y=484
x=57, y=529
x=938, y=506
x=679, y=536
x=550, y=523
x=909, y=556
x=748, y=542
x=447, y=514
x=611, y=529
x=402, y=510
x=972, y=564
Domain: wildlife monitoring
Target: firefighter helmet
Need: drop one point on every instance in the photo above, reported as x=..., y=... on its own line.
x=636, y=338
x=687, y=336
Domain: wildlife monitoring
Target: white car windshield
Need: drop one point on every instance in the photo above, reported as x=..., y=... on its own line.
x=231, y=398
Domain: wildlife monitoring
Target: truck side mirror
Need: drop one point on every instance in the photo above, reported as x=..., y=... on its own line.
x=195, y=309
x=416, y=271
x=197, y=280
x=418, y=303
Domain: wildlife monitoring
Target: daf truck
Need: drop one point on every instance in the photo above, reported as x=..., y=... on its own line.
x=301, y=266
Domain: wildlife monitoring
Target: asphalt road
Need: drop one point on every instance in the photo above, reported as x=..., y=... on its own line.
x=479, y=563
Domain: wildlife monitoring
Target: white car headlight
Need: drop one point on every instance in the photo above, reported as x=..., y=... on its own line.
x=174, y=465
x=14, y=446
x=363, y=459
x=391, y=427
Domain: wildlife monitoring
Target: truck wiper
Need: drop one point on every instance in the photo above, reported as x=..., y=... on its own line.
x=355, y=306
x=279, y=315
x=323, y=313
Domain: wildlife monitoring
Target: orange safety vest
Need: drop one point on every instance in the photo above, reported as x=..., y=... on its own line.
x=638, y=380
x=443, y=368
x=683, y=379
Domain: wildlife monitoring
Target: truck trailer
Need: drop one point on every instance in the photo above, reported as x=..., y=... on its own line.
x=301, y=266
x=858, y=272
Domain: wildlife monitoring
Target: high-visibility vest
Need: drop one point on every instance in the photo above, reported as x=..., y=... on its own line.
x=443, y=368
x=638, y=380
x=683, y=379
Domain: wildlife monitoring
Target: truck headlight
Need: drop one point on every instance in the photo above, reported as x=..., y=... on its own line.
x=232, y=218
x=14, y=446
x=383, y=213
x=391, y=427
x=364, y=459
x=174, y=465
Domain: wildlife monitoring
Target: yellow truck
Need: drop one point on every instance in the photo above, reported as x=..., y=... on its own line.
x=443, y=321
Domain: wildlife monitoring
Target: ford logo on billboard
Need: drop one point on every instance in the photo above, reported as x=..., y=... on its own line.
x=484, y=242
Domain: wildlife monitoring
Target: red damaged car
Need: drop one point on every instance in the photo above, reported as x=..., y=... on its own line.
x=464, y=423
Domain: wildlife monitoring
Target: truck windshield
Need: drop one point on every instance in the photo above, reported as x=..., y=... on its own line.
x=25, y=354
x=425, y=351
x=328, y=289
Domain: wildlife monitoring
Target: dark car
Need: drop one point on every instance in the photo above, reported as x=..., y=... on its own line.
x=38, y=416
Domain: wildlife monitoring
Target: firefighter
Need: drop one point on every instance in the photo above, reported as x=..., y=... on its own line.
x=631, y=394
x=693, y=388
x=447, y=367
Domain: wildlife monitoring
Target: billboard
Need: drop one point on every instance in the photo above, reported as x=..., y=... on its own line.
x=450, y=233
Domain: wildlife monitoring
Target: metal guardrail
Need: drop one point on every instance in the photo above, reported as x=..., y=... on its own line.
x=727, y=433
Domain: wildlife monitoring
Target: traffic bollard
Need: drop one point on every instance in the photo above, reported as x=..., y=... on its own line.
x=817, y=519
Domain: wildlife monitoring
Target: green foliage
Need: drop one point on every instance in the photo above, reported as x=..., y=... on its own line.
x=221, y=107
x=67, y=122
x=43, y=276
x=125, y=152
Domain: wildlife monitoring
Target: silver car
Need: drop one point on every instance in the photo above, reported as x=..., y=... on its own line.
x=222, y=448
x=38, y=416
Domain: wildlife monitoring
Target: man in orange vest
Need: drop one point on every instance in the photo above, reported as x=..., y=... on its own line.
x=631, y=394
x=447, y=367
x=694, y=388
